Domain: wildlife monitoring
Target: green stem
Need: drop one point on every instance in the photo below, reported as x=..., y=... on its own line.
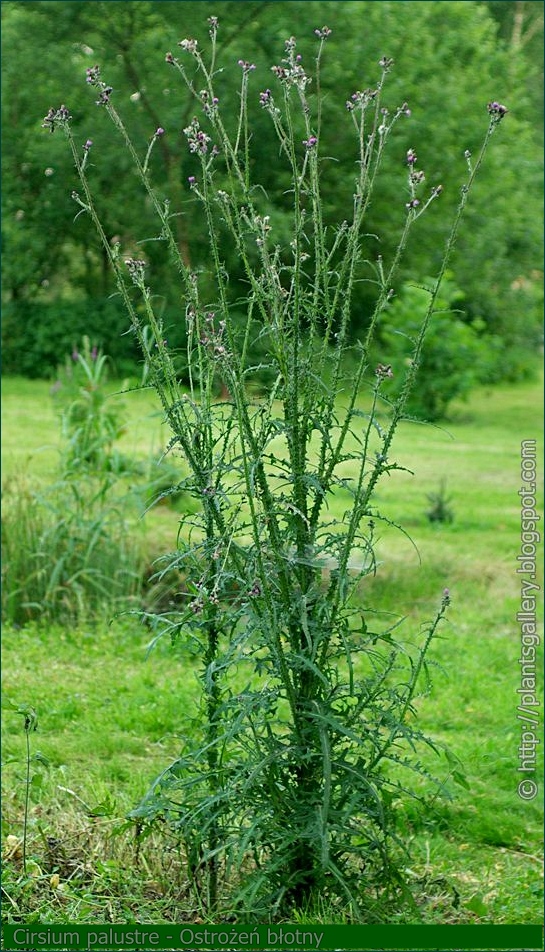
x=212, y=711
x=27, y=799
x=397, y=730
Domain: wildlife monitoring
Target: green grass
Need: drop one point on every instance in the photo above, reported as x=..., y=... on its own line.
x=27, y=445
x=111, y=718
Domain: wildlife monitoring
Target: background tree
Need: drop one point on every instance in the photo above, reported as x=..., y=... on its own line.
x=450, y=59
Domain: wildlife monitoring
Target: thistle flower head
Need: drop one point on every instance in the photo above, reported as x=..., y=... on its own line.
x=383, y=370
x=56, y=117
x=189, y=46
x=197, y=139
x=93, y=75
x=135, y=267
x=496, y=110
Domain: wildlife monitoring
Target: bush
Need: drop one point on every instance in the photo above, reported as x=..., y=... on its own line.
x=35, y=336
x=454, y=356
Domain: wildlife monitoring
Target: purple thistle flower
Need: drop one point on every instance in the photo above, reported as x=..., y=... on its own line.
x=159, y=131
x=361, y=98
x=87, y=145
x=209, y=103
x=497, y=110
x=104, y=97
x=93, y=75
x=49, y=120
x=197, y=139
x=310, y=142
x=412, y=157
x=56, y=117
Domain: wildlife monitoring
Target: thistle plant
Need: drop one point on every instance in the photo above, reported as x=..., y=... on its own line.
x=440, y=510
x=90, y=424
x=307, y=730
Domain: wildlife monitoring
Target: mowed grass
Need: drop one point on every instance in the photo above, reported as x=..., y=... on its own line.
x=111, y=717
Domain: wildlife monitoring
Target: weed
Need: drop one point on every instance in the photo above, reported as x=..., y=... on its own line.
x=90, y=422
x=288, y=792
x=440, y=510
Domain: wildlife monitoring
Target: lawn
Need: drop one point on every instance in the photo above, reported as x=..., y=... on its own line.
x=111, y=716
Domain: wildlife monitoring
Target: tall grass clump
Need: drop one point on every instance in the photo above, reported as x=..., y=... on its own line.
x=67, y=552
x=90, y=423
x=307, y=734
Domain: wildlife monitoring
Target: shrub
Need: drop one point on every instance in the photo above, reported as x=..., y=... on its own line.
x=35, y=335
x=454, y=356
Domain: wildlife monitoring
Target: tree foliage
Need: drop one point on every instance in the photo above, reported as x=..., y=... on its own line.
x=450, y=59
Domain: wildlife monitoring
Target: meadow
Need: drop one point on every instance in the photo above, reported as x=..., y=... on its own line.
x=111, y=715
